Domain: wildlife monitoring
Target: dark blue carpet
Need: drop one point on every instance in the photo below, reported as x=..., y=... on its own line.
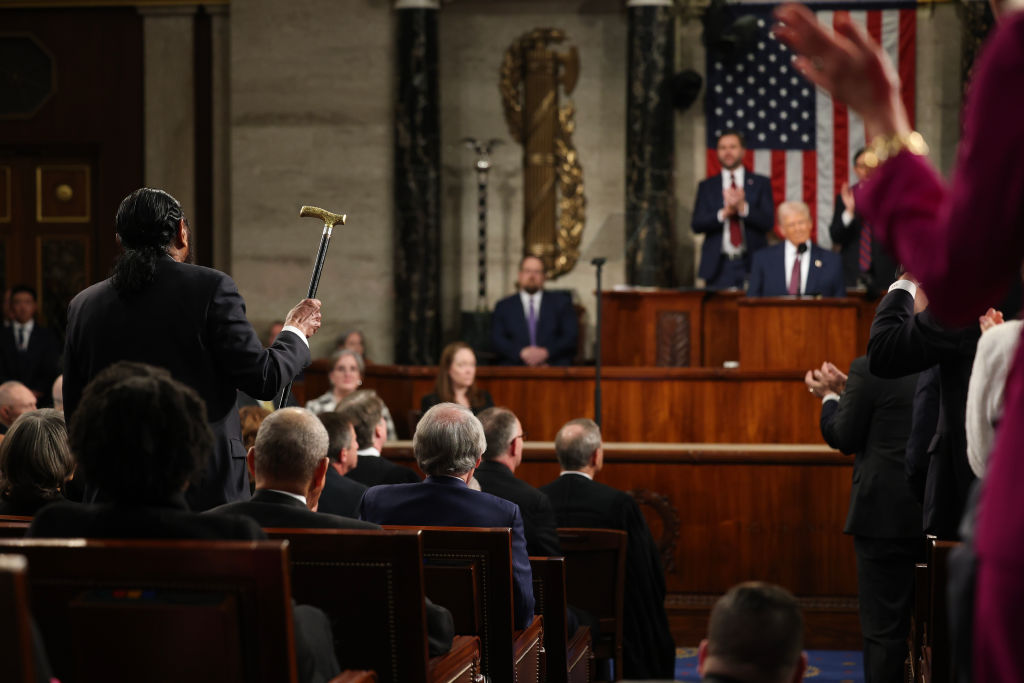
x=832, y=666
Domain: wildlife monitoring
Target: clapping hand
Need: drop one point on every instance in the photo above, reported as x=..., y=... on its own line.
x=828, y=379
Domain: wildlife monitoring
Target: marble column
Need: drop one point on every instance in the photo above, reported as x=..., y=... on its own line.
x=168, y=95
x=650, y=202
x=220, y=39
x=417, y=185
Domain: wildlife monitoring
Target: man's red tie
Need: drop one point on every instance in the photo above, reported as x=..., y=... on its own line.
x=865, y=248
x=794, y=277
x=735, y=236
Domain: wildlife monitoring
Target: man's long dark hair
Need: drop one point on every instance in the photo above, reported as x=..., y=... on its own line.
x=146, y=222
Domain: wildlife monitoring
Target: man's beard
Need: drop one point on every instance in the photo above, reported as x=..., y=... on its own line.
x=531, y=289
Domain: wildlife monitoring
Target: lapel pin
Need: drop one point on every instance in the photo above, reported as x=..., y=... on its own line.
x=817, y=263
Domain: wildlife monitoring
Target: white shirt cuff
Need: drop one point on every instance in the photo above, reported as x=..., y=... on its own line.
x=745, y=211
x=906, y=285
x=720, y=215
x=831, y=396
x=847, y=218
x=297, y=332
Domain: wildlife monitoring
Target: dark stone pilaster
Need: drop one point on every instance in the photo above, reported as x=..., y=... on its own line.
x=417, y=186
x=650, y=144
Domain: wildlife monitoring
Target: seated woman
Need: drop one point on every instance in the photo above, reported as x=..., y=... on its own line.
x=455, y=375
x=345, y=377
x=35, y=462
x=354, y=340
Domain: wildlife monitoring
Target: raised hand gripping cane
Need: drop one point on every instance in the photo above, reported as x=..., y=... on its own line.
x=330, y=220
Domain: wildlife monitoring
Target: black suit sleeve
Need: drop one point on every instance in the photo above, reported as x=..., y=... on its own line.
x=756, y=285
x=761, y=211
x=440, y=629
x=502, y=336
x=923, y=426
x=845, y=423
x=901, y=343
x=237, y=349
x=705, y=210
x=543, y=527
x=843, y=234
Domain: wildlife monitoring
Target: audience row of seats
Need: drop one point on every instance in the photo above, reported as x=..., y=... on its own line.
x=218, y=610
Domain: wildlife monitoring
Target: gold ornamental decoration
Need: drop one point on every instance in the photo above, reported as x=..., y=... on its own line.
x=531, y=74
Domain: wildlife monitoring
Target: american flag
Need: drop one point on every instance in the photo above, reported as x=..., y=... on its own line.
x=794, y=133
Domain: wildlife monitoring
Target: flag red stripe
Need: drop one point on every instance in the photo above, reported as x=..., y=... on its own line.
x=714, y=168
x=748, y=159
x=908, y=39
x=874, y=23
x=840, y=143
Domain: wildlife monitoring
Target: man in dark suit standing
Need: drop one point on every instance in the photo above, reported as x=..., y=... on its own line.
x=734, y=211
x=865, y=259
x=289, y=462
x=905, y=340
x=496, y=475
x=365, y=411
x=160, y=309
x=579, y=501
x=870, y=418
x=341, y=494
x=534, y=327
x=448, y=443
x=797, y=266
x=29, y=352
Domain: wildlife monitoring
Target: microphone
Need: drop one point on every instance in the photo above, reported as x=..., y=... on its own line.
x=598, y=261
x=801, y=248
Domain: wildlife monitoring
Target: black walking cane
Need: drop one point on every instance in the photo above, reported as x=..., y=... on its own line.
x=330, y=220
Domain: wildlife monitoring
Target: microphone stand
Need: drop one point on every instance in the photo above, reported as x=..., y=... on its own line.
x=598, y=262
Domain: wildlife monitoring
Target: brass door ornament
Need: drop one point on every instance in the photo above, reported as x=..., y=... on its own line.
x=530, y=75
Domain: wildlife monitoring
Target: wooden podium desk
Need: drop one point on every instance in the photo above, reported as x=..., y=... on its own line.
x=797, y=333
x=701, y=328
x=743, y=512
x=639, y=404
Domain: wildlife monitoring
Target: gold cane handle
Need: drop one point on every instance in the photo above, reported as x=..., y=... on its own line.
x=329, y=219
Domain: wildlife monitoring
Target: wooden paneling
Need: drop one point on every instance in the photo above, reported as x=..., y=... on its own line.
x=630, y=325
x=774, y=513
x=721, y=331
x=796, y=334
x=638, y=404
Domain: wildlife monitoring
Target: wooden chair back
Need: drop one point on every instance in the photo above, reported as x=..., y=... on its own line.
x=455, y=556
x=595, y=577
x=568, y=656
x=162, y=610
x=15, y=621
x=13, y=529
x=370, y=584
x=15, y=518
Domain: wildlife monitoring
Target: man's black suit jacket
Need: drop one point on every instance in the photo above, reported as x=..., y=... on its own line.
x=191, y=321
x=557, y=329
x=883, y=267
x=903, y=343
x=872, y=421
x=648, y=649
x=756, y=225
x=341, y=495
x=374, y=470
x=272, y=509
x=539, y=523
x=37, y=366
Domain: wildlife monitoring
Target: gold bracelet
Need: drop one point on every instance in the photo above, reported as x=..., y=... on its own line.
x=885, y=147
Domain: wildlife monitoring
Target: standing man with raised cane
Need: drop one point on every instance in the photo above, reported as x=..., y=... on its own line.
x=158, y=308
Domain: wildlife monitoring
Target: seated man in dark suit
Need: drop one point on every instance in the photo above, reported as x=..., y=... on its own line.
x=755, y=635
x=734, y=212
x=496, y=476
x=534, y=327
x=289, y=464
x=29, y=352
x=448, y=443
x=865, y=259
x=365, y=411
x=797, y=266
x=341, y=494
x=142, y=437
x=579, y=501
